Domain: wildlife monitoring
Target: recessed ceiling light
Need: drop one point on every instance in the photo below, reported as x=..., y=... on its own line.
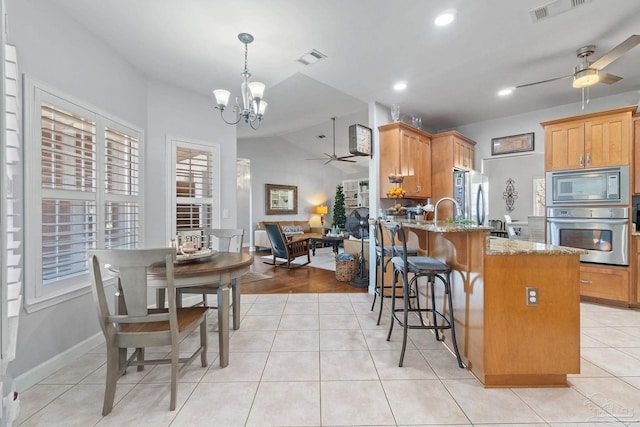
x=400, y=86
x=506, y=91
x=445, y=18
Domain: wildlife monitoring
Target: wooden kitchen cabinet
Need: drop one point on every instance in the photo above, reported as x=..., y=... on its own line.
x=589, y=141
x=463, y=153
x=608, y=283
x=449, y=151
x=635, y=271
x=406, y=151
x=636, y=150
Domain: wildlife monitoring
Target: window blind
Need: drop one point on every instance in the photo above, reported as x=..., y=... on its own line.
x=194, y=188
x=86, y=167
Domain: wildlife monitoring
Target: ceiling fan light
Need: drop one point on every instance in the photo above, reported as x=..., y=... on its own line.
x=585, y=78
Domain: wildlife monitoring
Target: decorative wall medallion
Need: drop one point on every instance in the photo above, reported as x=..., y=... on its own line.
x=510, y=195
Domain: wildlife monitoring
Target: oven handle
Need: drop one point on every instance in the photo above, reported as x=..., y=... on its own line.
x=589, y=220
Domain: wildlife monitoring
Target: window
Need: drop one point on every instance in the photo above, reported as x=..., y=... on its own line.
x=83, y=175
x=194, y=185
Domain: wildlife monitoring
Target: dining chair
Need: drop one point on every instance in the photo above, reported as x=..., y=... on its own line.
x=287, y=247
x=221, y=240
x=513, y=231
x=139, y=327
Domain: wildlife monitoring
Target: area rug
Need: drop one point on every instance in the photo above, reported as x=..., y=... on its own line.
x=252, y=276
x=324, y=259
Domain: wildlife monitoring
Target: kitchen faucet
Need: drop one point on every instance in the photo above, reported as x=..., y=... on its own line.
x=435, y=209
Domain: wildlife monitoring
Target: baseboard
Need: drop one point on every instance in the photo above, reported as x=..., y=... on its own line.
x=42, y=371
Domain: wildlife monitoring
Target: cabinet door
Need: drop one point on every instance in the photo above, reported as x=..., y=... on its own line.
x=410, y=159
x=564, y=146
x=605, y=283
x=415, y=156
x=607, y=141
x=636, y=150
x=389, y=158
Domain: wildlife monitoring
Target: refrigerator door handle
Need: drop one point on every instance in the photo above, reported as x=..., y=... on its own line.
x=480, y=206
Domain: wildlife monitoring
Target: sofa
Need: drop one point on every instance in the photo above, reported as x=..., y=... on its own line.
x=261, y=240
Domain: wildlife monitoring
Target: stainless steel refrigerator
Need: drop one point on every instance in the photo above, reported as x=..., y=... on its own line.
x=471, y=191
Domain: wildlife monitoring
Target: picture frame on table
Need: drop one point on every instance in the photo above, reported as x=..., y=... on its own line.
x=512, y=144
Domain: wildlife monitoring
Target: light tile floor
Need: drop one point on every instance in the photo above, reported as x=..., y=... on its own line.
x=320, y=360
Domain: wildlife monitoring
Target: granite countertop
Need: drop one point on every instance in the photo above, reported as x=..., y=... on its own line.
x=445, y=227
x=501, y=246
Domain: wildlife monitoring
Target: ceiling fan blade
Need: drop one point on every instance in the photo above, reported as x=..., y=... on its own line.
x=342, y=159
x=608, y=78
x=616, y=52
x=544, y=81
x=346, y=157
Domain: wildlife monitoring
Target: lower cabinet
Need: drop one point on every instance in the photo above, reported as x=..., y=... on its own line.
x=605, y=283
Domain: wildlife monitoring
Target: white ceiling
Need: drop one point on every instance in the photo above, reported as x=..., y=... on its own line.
x=453, y=73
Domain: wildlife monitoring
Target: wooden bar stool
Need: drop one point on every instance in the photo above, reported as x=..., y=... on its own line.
x=383, y=258
x=433, y=270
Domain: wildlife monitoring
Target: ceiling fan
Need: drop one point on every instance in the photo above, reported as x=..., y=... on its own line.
x=331, y=157
x=589, y=73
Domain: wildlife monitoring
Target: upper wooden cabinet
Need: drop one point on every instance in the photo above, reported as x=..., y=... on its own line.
x=405, y=150
x=589, y=141
x=636, y=151
x=449, y=151
x=463, y=152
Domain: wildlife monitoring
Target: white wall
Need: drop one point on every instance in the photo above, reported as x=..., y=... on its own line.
x=316, y=182
x=54, y=50
x=173, y=111
x=523, y=168
x=59, y=52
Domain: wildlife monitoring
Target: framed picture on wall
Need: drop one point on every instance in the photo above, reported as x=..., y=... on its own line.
x=281, y=199
x=512, y=144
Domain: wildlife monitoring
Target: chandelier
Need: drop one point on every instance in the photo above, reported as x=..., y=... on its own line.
x=253, y=106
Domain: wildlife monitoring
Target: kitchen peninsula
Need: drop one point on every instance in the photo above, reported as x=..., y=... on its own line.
x=507, y=336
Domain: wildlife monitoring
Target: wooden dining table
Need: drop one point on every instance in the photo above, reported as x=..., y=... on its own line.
x=221, y=268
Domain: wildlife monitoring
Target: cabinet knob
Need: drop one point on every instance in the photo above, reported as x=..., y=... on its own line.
x=586, y=282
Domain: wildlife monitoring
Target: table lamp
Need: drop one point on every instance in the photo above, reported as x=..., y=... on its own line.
x=322, y=210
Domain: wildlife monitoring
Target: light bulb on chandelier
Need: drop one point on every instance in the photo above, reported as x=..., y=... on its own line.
x=253, y=106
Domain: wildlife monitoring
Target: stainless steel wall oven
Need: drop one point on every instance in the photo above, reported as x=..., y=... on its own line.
x=602, y=231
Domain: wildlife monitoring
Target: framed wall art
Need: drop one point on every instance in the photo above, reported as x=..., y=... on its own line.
x=512, y=144
x=281, y=199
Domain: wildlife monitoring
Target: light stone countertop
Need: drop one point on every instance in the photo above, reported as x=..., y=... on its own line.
x=501, y=246
x=445, y=227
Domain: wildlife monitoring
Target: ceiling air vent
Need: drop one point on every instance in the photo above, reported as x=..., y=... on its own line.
x=311, y=57
x=555, y=8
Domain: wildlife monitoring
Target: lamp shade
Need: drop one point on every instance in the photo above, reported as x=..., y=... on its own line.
x=322, y=210
x=222, y=97
x=257, y=89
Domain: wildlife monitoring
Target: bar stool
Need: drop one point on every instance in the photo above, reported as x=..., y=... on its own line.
x=383, y=258
x=419, y=266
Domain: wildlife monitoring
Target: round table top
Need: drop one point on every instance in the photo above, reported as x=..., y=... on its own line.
x=218, y=263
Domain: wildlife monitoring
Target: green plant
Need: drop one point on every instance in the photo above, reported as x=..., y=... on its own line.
x=339, y=218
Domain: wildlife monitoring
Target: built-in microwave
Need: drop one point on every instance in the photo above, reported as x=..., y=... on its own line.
x=601, y=186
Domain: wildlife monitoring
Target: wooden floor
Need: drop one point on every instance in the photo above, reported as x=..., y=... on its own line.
x=297, y=280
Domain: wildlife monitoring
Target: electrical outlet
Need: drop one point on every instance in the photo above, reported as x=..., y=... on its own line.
x=532, y=295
